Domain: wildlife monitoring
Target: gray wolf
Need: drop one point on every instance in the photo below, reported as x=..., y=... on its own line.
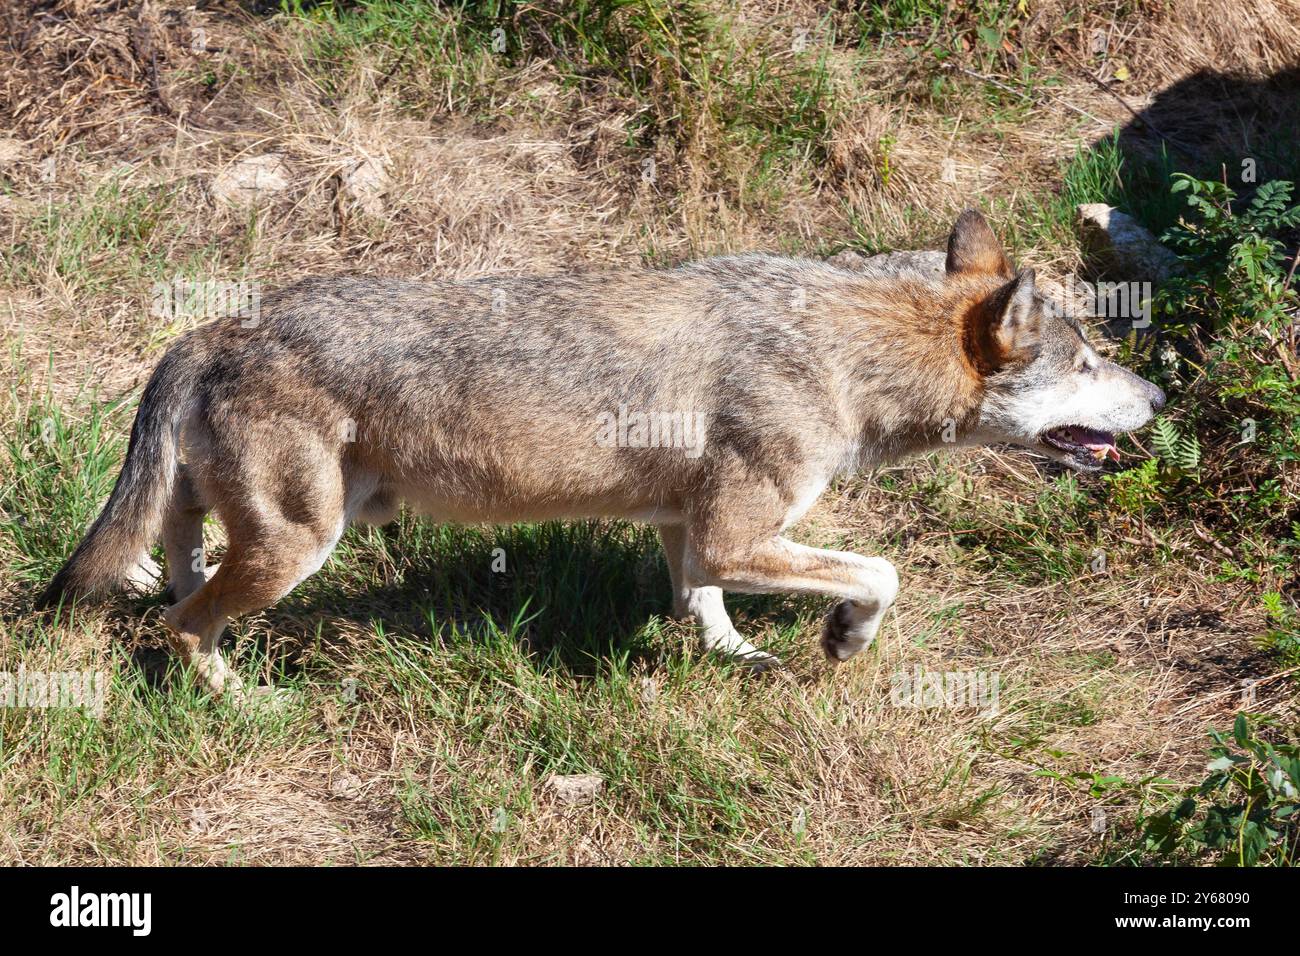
x=716, y=400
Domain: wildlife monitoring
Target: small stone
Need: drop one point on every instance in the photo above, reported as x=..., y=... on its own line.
x=346, y=785
x=649, y=691
x=11, y=151
x=1123, y=245
x=575, y=789
x=848, y=259
x=251, y=180
x=365, y=183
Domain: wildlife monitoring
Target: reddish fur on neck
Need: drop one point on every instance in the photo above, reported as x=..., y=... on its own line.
x=929, y=331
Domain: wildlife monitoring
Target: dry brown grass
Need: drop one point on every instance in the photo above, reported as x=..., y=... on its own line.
x=1253, y=38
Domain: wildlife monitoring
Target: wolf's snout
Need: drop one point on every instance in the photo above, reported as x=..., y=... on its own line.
x=1155, y=395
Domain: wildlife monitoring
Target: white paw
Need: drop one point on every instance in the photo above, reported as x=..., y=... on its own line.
x=849, y=628
x=757, y=662
x=731, y=645
x=144, y=577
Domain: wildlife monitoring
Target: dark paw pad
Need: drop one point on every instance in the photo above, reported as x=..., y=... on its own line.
x=836, y=639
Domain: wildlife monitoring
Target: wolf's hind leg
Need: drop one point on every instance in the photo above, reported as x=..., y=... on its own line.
x=182, y=536
x=705, y=606
x=282, y=519
x=263, y=563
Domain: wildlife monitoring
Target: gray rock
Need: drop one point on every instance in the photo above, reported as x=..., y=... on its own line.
x=649, y=691
x=576, y=788
x=365, y=181
x=347, y=786
x=251, y=180
x=11, y=151
x=1123, y=246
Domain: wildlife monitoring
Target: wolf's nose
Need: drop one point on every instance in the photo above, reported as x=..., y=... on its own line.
x=1157, y=397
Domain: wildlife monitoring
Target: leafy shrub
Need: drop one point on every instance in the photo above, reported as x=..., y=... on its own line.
x=1225, y=454
x=1283, y=635
x=1245, y=813
x=1236, y=266
x=1229, y=444
x=1176, y=461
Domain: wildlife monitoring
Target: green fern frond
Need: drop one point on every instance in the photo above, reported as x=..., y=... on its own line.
x=1165, y=439
x=1189, y=453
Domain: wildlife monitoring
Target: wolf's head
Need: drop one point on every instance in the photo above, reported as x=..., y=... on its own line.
x=1045, y=388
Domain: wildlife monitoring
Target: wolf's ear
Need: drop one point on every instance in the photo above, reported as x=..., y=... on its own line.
x=972, y=248
x=1007, y=326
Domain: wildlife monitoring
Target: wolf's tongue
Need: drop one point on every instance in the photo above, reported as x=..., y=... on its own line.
x=1101, y=444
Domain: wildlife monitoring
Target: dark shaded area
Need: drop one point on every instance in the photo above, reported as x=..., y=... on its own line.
x=574, y=596
x=1211, y=125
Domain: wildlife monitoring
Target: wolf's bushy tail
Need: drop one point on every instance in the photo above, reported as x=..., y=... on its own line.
x=132, y=519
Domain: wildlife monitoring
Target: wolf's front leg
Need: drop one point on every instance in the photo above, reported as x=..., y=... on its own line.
x=704, y=605
x=722, y=557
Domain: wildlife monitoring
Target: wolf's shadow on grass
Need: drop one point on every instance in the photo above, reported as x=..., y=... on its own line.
x=1212, y=125
x=1208, y=118
x=573, y=596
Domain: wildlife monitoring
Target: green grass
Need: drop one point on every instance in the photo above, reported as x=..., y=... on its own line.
x=60, y=470
x=453, y=688
x=479, y=684
x=113, y=240
x=91, y=242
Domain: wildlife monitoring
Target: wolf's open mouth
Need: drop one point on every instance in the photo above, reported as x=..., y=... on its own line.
x=1084, y=444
